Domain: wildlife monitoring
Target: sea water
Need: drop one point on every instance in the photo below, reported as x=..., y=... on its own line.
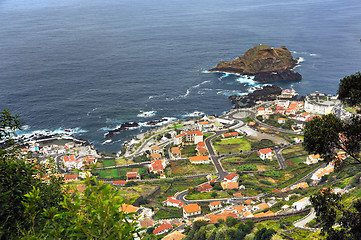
x=90, y=66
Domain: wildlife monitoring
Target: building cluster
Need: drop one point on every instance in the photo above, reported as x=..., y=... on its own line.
x=71, y=162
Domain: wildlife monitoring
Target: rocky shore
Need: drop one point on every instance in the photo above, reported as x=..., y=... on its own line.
x=267, y=93
x=266, y=64
x=123, y=127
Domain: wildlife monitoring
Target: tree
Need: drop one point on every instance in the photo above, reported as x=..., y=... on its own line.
x=230, y=221
x=330, y=211
x=328, y=134
x=349, y=90
x=214, y=194
x=264, y=234
x=35, y=205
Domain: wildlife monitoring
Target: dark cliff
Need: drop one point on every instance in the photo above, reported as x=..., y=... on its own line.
x=265, y=63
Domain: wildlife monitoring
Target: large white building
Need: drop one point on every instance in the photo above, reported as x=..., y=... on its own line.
x=319, y=103
x=193, y=137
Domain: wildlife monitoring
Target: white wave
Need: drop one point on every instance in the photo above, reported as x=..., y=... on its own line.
x=146, y=114
x=247, y=80
x=223, y=76
x=188, y=91
x=313, y=54
x=194, y=114
x=168, y=120
x=156, y=96
x=88, y=113
x=300, y=59
x=231, y=92
x=107, y=141
x=46, y=132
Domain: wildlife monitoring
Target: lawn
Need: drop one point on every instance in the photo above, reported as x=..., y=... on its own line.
x=107, y=173
x=188, y=151
x=233, y=145
x=256, y=144
x=207, y=195
x=122, y=161
x=184, y=167
x=207, y=135
x=294, y=152
x=163, y=214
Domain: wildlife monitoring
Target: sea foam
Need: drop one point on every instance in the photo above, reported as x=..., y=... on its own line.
x=146, y=114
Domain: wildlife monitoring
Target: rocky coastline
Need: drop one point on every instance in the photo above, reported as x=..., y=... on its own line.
x=267, y=93
x=266, y=64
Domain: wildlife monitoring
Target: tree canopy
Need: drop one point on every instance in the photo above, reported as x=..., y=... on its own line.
x=349, y=90
x=35, y=203
x=328, y=135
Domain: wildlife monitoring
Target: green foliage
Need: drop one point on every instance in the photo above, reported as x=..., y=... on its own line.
x=247, y=167
x=271, y=174
x=264, y=234
x=328, y=134
x=34, y=206
x=349, y=90
x=331, y=211
x=231, y=221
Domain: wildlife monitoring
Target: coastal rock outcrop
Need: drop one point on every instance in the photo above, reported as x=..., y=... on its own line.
x=123, y=127
x=266, y=64
x=267, y=93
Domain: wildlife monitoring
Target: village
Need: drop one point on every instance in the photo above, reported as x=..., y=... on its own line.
x=246, y=164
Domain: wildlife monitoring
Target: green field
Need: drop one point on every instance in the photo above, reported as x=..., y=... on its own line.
x=207, y=195
x=163, y=214
x=233, y=145
x=184, y=167
x=107, y=173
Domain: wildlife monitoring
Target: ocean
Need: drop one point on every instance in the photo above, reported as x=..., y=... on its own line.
x=90, y=66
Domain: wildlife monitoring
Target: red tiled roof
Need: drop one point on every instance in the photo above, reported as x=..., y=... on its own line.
x=231, y=176
x=230, y=134
x=176, y=150
x=201, y=144
x=215, y=203
x=156, y=155
x=204, y=187
x=120, y=182
x=164, y=226
x=198, y=158
x=155, y=148
x=265, y=150
x=191, y=208
x=157, y=165
x=68, y=177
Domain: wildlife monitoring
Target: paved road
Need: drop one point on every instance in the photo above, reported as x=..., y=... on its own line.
x=213, y=155
x=302, y=222
x=281, y=160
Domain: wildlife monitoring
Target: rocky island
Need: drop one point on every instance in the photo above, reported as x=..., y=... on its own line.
x=266, y=64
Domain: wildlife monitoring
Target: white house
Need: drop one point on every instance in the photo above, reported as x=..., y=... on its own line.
x=298, y=140
x=281, y=120
x=232, y=177
x=265, y=153
x=163, y=228
x=301, y=204
x=173, y=202
x=176, y=152
x=192, y=136
x=191, y=210
x=199, y=159
x=215, y=205
x=312, y=159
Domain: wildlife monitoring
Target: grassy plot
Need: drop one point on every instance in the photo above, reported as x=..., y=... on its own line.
x=107, y=173
x=122, y=161
x=130, y=194
x=256, y=144
x=163, y=214
x=233, y=145
x=188, y=151
x=184, y=167
x=207, y=195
